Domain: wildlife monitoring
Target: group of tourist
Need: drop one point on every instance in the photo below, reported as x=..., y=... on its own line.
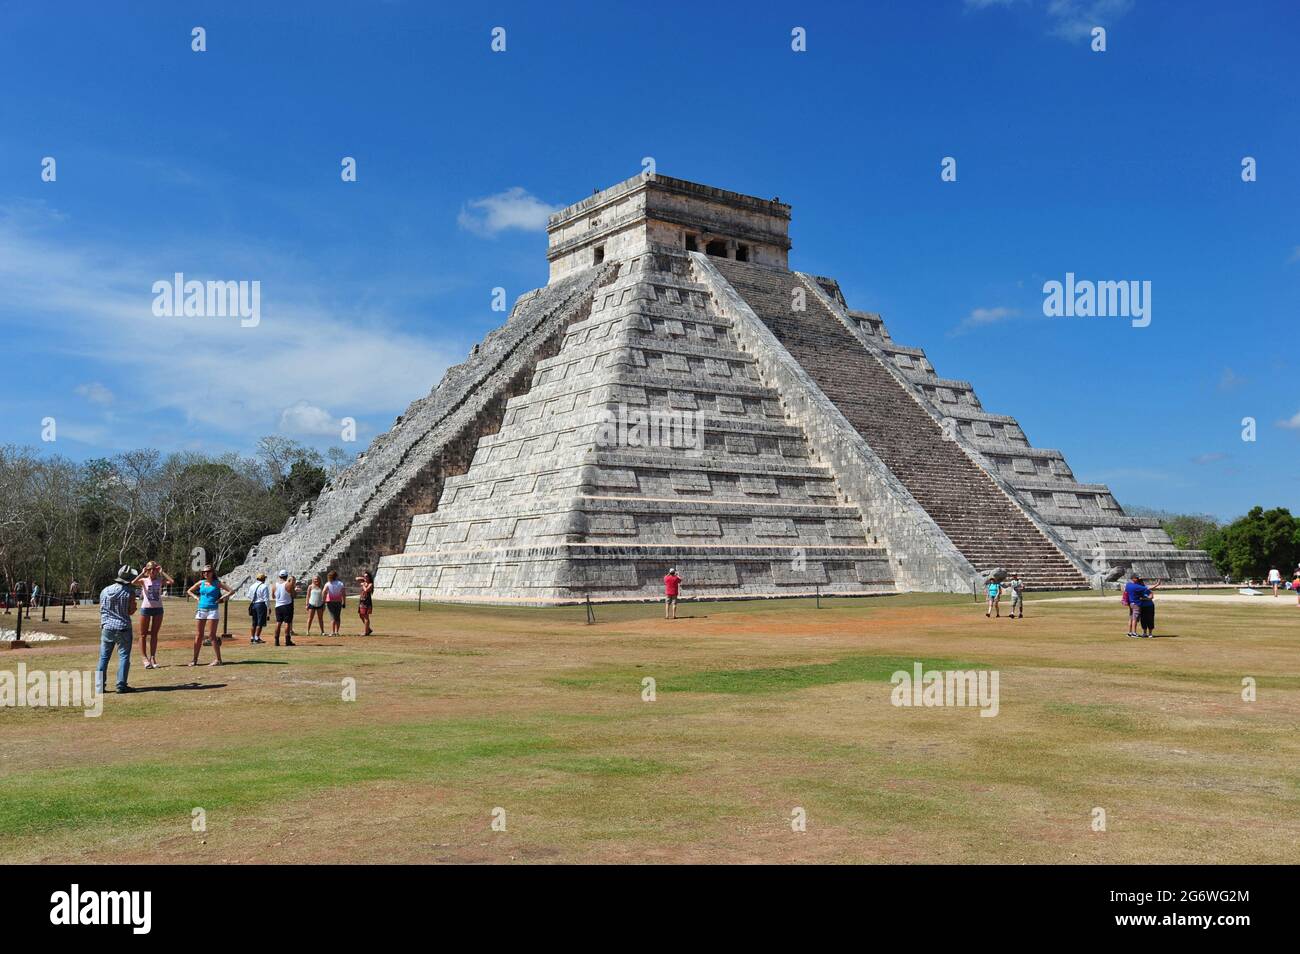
x=118, y=603
x=1141, y=602
x=995, y=588
x=1275, y=581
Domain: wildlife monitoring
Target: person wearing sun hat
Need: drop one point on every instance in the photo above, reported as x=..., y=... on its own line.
x=116, y=607
x=259, y=595
x=284, y=593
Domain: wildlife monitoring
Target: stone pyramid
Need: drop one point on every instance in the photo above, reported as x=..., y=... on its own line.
x=676, y=396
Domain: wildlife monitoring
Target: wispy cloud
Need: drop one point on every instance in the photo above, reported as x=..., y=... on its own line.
x=304, y=419
x=95, y=393
x=236, y=383
x=982, y=317
x=1137, y=474
x=1209, y=458
x=1074, y=19
x=1067, y=19
x=514, y=208
x=1291, y=423
x=1230, y=380
x=1295, y=256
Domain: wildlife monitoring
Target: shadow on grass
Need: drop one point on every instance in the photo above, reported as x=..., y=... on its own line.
x=178, y=687
x=255, y=662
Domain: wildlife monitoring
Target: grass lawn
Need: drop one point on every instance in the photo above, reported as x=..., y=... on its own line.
x=760, y=708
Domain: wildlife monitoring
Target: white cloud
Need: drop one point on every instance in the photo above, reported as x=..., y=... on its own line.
x=306, y=419
x=1074, y=19
x=1292, y=422
x=515, y=208
x=1209, y=458
x=1295, y=256
x=1067, y=19
x=987, y=316
x=1230, y=380
x=982, y=317
x=233, y=382
x=94, y=392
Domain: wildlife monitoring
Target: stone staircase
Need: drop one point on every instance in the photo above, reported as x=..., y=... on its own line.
x=365, y=512
x=555, y=506
x=979, y=518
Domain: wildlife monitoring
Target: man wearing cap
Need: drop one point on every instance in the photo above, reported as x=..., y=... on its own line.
x=672, y=585
x=116, y=606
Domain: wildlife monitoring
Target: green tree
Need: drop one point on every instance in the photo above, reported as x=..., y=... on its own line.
x=1251, y=545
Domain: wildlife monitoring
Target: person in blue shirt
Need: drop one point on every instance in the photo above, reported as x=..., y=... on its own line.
x=211, y=593
x=994, y=591
x=1142, y=607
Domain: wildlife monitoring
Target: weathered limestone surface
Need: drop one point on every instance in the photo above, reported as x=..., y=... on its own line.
x=557, y=507
x=365, y=512
x=921, y=555
x=662, y=403
x=1083, y=520
x=659, y=211
x=965, y=503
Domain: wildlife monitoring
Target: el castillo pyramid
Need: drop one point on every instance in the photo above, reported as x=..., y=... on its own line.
x=677, y=396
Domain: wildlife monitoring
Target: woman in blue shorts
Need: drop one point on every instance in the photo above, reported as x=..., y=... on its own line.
x=150, y=582
x=211, y=593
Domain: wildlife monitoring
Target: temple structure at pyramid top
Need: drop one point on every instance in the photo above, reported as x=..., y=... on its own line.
x=647, y=212
x=676, y=396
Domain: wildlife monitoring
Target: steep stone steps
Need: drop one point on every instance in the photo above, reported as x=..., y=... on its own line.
x=963, y=500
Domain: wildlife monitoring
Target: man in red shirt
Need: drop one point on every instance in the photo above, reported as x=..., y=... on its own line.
x=672, y=582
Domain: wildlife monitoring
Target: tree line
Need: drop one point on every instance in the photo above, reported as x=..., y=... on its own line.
x=1242, y=549
x=61, y=520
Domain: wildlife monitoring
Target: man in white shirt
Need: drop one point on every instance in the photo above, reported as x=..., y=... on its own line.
x=259, y=595
x=284, y=592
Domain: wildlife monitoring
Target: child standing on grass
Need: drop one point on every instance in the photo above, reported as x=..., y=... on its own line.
x=994, y=592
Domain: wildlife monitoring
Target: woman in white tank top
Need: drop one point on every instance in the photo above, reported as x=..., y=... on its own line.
x=316, y=604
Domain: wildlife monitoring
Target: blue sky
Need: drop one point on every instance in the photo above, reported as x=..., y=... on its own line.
x=225, y=165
